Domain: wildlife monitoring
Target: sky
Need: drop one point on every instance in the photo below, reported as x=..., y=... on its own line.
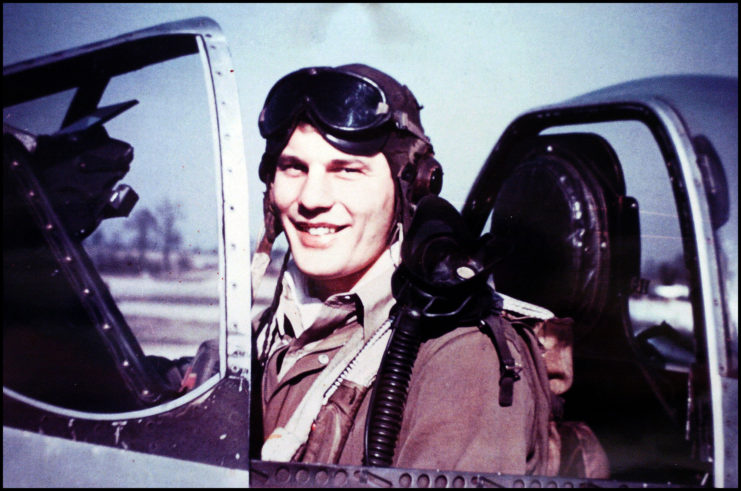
x=474, y=67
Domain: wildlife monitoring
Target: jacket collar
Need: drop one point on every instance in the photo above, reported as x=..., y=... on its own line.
x=370, y=300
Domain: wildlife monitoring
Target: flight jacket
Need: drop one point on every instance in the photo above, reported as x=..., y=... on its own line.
x=452, y=417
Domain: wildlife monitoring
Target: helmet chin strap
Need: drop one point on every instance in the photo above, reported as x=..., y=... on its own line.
x=397, y=237
x=260, y=261
x=270, y=230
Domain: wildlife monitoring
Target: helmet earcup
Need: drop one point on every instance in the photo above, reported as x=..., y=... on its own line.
x=427, y=179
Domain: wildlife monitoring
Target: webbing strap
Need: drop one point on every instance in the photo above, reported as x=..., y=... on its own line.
x=509, y=370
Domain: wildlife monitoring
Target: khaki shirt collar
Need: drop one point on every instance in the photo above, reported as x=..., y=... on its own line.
x=370, y=301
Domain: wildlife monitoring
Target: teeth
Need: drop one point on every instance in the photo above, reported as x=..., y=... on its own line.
x=317, y=229
x=321, y=230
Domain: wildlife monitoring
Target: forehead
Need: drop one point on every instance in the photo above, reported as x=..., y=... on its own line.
x=308, y=145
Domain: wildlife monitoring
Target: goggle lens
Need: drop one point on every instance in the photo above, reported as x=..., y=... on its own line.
x=346, y=103
x=340, y=101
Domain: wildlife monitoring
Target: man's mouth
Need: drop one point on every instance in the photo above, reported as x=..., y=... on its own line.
x=318, y=230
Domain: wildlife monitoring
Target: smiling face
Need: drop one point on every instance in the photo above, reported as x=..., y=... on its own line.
x=336, y=209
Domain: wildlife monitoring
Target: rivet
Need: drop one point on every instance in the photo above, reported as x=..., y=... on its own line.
x=125, y=363
x=49, y=226
x=15, y=164
x=86, y=291
x=67, y=259
x=323, y=359
x=106, y=326
x=145, y=392
x=31, y=193
x=464, y=272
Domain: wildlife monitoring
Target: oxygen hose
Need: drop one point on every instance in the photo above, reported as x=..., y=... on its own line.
x=390, y=391
x=440, y=285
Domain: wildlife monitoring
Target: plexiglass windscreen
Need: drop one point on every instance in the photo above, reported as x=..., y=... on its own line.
x=160, y=262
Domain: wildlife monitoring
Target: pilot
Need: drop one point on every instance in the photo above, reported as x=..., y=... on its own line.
x=345, y=160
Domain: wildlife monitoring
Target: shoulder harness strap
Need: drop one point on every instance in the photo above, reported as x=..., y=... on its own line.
x=509, y=369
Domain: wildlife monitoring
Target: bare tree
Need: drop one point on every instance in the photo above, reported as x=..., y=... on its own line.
x=169, y=214
x=143, y=223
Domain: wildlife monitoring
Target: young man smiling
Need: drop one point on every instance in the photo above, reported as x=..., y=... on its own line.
x=335, y=208
x=346, y=160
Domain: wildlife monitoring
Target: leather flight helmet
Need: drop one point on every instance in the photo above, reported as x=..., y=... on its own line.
x=400, y=136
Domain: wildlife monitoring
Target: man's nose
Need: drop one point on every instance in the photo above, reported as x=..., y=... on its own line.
x=316, y=193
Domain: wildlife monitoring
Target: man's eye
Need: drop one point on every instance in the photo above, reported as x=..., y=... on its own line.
x=291, y=168
x=351, y=170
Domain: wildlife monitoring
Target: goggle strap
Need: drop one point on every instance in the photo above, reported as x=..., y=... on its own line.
x=403, y=123
x=418, y=148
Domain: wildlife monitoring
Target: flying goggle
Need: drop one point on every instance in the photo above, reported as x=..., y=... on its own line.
x=350, y=110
